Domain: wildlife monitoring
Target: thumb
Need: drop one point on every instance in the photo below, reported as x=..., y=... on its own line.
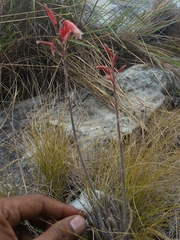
x=68, y=229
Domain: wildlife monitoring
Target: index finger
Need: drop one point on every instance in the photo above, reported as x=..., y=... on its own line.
x=29, y=207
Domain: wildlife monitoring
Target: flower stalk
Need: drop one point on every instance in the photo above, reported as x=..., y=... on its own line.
x=110, y=72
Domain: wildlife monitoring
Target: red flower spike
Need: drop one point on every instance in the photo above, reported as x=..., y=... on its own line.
x=66, y=28
x=122, y=68
x=106, y=69
x=50, y=44
x=107, y=49
x=52, y=17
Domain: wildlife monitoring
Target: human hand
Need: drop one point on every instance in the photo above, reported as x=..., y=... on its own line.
x=58, y=220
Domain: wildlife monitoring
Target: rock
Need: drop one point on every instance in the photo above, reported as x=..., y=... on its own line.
x=94, y=121
x=104, y=12
x=83, y=203
x=144, y=89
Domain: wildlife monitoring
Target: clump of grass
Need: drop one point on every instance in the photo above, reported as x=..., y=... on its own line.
x=152, y=180
x=50, y=152
x=152, y=176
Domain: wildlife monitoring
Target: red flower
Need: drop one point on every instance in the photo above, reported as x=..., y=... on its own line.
x=50, y=44
x=66, y=28
x=52, y=17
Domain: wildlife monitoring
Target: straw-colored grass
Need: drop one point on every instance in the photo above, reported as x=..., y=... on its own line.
x=152, y=177
x=152, y=174
x=50, y=153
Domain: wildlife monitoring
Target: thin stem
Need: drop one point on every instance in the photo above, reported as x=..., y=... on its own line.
x=73, y=125
x=120, y=151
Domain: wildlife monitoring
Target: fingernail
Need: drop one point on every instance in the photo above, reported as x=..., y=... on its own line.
x=78, y=224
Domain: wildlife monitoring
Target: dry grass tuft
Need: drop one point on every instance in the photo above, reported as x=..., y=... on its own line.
x=50, y=153
x=152, y=180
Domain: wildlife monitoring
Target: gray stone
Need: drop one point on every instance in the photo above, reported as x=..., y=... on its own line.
x=94, y=121
x=144, y=89
x=103, y=12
